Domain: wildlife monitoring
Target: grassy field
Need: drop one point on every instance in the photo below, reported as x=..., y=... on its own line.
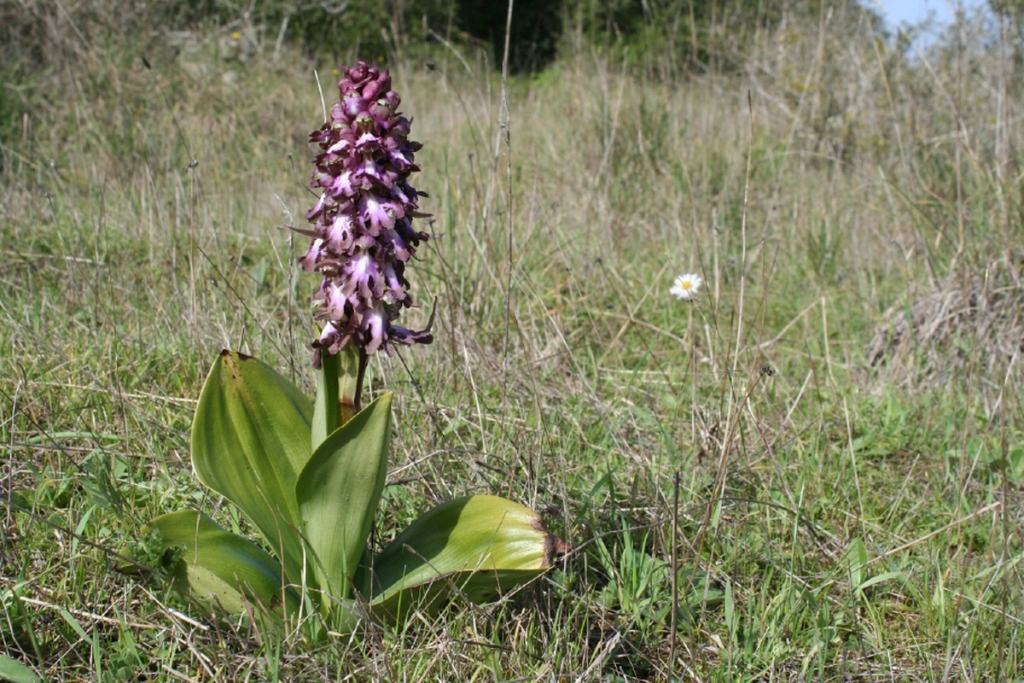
x=812, y=472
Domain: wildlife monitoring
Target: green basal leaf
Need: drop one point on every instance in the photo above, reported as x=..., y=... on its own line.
x=250, y=440
x=14, y=671
x=338, y=492
x=474, y=547
x=219, y=568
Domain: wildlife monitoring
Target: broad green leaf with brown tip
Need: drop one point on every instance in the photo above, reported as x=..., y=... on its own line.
x=474, y=548
x=250, y=439
x=219, y=568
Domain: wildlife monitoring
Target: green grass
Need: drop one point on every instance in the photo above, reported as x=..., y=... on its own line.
x=832, y=521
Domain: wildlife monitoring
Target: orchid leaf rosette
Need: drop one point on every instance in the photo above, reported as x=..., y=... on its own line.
x=309, y=474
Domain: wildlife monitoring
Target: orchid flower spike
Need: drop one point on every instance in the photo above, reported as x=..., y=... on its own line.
x=362, y=234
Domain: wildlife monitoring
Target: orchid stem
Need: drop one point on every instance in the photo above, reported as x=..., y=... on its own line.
x=350, y=382
x=364, y=360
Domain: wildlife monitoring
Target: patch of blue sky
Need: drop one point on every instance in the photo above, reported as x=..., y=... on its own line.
x=913, y=13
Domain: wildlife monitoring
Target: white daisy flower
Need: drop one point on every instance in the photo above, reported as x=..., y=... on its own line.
x=686, y=286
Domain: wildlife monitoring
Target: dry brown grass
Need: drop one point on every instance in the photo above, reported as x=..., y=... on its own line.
x=965, y=323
